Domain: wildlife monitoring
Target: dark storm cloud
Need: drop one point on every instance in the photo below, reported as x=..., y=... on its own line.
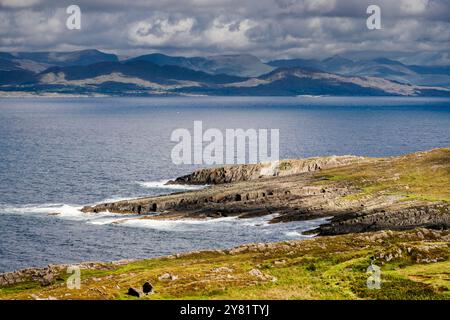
x=266, y=28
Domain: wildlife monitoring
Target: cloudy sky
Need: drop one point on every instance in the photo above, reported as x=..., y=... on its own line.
x=411, y=29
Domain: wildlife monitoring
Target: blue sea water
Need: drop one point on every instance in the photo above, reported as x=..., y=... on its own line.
x=58, y=154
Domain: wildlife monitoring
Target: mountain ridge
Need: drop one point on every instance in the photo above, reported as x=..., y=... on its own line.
x=94, y=72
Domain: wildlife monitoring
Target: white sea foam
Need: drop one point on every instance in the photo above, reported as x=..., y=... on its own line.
x=291, y=230
x=309, y=96
x=262, y=221
x=293, y=234
x=106, y=218
x=46, y=208
x=73, y=212
x=114, y=199
x=63, y=211
x=161, y=184
x=175, y=225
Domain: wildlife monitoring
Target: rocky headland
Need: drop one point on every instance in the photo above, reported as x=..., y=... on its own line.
x=360, y=194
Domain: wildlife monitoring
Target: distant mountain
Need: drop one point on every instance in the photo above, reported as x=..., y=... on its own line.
x=118, y=78
x=244, y=65
x=164, y=60
x=341, y=65
x=39, y=61
x=16, y=77
x=7, y=65
x=420, y=58
x=298, y=81
x=157, y=74
x=236, y=65
x=387, y=61
x=445, y=70
x=143, y=70
x=337, y=64
x=378, y=67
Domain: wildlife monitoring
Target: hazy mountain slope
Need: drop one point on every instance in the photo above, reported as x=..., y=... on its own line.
x=161, y=74
x=8, y=65
x=236, y=65
x=298, y=81
x=83, y=57
x=140, y=69
x=15, y=77
x=39, y=61
x=243, y=65
x=165, y=60
x=379, y=67
x=296, y=63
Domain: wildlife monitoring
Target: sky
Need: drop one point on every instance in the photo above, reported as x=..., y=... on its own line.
x=415, y=31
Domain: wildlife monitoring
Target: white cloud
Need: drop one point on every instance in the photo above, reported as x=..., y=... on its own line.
x=320, y=5
x=229, y=34
x=18, y=3
x=160, y=31
x=414, y=6
x=266, y=28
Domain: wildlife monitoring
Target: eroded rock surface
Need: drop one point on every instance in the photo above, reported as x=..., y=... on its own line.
x=249, y=172
x=361, y=194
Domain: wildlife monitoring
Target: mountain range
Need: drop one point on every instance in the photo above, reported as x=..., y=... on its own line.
x=94, y=72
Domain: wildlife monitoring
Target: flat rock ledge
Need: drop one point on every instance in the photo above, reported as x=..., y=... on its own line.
x=293, y=190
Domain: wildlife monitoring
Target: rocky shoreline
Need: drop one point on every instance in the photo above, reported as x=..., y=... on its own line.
x=361, y=194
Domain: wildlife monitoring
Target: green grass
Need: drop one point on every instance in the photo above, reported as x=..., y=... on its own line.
x=321, y=268
x=423, y=177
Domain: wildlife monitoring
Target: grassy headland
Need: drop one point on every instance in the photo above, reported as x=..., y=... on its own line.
x=414, y=265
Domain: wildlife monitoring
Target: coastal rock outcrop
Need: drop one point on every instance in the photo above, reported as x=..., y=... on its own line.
x=360, y=194
x=249, y=172
x=45, y=276
x=434, y=216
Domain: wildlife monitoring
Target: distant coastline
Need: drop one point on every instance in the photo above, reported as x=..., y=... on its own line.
x=26, y=95
x=92, y=72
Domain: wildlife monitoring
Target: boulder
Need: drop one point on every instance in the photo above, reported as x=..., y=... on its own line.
x=147, y=288
x=134, y=292
x=222, y=269
x=167, y=277
x=47, y=279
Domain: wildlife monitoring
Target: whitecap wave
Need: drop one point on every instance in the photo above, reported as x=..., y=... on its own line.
x=293, y=234
x=300, y=234
x=114, y=199
x=46, y=208
x=309, y=96
x=308, y=225
x=175, y=225
x=63, y=211
x=161, y=184
x=291, y=230
x=107, y=218
x=261, y=223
